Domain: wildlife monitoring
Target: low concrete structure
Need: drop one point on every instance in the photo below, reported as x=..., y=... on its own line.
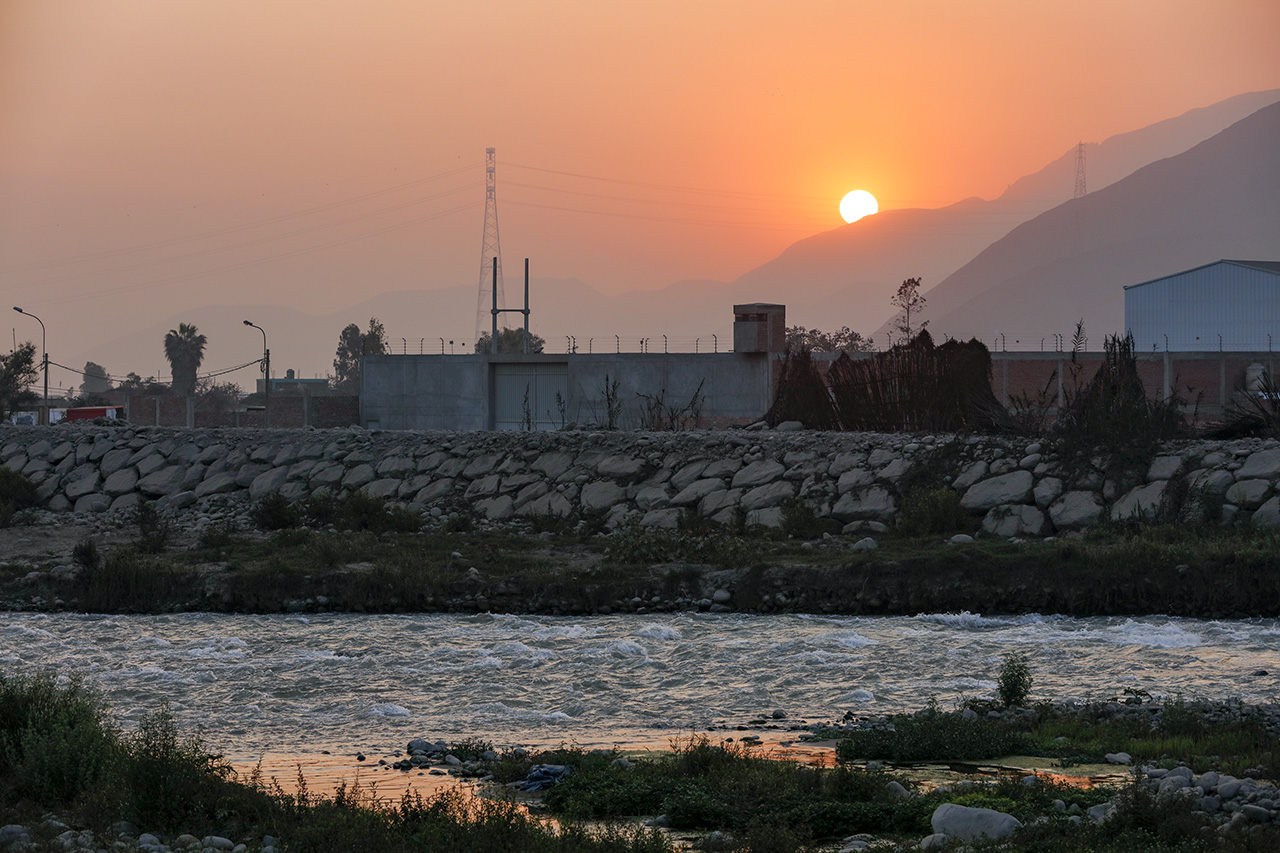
x=544, y=391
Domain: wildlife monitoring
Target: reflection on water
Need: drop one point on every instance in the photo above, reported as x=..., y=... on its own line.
x=301, y=684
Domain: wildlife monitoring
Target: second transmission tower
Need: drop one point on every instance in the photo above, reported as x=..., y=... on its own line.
x=489, y=250
x=1081, y=192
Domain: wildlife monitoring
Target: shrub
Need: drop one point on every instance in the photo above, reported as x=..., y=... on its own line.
x=931, y=737
x=1014, y=682
x=17, y=493
x=276, y=512
x=55, y=739
x=153, y=532
x=931, y=510
x=799, y=521
x=85, y=554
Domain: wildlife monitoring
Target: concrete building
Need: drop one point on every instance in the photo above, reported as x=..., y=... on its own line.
x=546, y=391
x=1225, y=306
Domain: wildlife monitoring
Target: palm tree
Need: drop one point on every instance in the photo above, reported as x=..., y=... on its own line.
x=185, y=350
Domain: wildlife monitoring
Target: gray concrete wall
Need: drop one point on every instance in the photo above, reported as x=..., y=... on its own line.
x=452, y=392
x=425, y=392
x=732, y=387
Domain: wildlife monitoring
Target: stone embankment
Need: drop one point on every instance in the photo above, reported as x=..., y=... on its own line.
x=1019, y=488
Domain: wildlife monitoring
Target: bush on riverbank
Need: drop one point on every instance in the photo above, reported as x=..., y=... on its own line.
x=17, y=493
x=60, y=752
x=1165, y=733
x=349, y=511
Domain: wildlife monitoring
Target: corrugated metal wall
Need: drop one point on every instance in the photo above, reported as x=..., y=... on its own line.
x=525, y=395
x=1189, y=311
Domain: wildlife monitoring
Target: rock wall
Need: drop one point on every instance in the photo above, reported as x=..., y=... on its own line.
x=1018, y=488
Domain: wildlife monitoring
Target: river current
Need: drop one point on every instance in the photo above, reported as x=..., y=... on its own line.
x=298, y=683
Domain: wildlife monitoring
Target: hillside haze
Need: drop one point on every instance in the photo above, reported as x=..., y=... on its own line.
x=850, y=272
x=1221, y=199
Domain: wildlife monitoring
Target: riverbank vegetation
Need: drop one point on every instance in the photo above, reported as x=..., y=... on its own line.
x=66, y=766
x=361, y=554
x=63, y=762
x=1160, y=733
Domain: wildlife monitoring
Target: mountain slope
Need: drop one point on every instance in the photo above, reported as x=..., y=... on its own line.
x=850, y=272
x=1221, y=199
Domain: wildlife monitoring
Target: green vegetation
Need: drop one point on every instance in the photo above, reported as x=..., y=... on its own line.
x=61, y=753
x=1180, y=733
x=351, y=511
x=701, y=785
x=359, y=553
x=17, y=493
x=1014, y=682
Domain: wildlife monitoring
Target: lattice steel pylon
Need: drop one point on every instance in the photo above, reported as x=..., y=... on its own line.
x=489, y=249
x=1081, y=192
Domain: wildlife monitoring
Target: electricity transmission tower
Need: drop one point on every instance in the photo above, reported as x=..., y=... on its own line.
x=489, y=249
x=1080, y=188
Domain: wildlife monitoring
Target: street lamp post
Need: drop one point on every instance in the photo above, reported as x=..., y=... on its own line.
x=266, y=374
x=44, y=337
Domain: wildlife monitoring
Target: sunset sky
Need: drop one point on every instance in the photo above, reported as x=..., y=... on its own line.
x=156, y=155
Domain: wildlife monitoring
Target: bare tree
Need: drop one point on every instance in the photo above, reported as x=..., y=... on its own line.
x=909, y=301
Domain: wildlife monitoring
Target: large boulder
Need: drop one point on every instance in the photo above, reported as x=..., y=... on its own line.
x=602, y=495
x=268, y=482
x=758, y=474
x=1264, y=465
x=217, y=484
x=553, y=464
x=1268, y=515
x=1141, y=502
x=696, y=491
x=361, y=475
x=620, y=467
x=1076, y=509
x=163, y=482
x=1012, y=488
x=552, y=503
x=1014, y=520
x=770, y=495
x=81, y=486
x=875, y=503
x=1248, y=494
x=971, y=824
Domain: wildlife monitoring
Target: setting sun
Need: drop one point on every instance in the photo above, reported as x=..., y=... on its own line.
x=858, y=204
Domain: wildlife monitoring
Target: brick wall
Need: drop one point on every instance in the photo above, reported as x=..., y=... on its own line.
x=286, y=412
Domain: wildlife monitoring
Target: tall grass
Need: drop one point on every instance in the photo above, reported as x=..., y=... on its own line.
x=61, y=753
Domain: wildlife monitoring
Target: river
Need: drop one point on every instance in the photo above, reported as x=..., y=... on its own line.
x=345, y=682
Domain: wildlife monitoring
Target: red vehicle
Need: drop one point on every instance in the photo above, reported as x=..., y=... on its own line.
x=88, y=413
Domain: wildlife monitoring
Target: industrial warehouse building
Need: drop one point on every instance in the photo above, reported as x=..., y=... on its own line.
x=1225, y=306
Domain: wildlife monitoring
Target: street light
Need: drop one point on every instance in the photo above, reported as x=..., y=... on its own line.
x=45, y=349
x=266, y=374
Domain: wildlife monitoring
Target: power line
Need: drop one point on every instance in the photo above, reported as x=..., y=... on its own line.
x=672, y=187
x=664, y=203
x=257, y=261
x=235, y=228
x=242, y=244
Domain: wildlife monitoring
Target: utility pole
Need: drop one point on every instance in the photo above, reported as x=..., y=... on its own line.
x=266, y=373
x=44, y=345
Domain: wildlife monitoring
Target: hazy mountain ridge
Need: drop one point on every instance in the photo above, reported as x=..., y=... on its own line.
x=850, y=272
x=1220, y=199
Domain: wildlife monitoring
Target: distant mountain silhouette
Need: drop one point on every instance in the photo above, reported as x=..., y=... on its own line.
x=850, y=272
x=1220, y=199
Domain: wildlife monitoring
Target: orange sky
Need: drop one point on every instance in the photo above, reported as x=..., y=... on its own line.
x=728, y=130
